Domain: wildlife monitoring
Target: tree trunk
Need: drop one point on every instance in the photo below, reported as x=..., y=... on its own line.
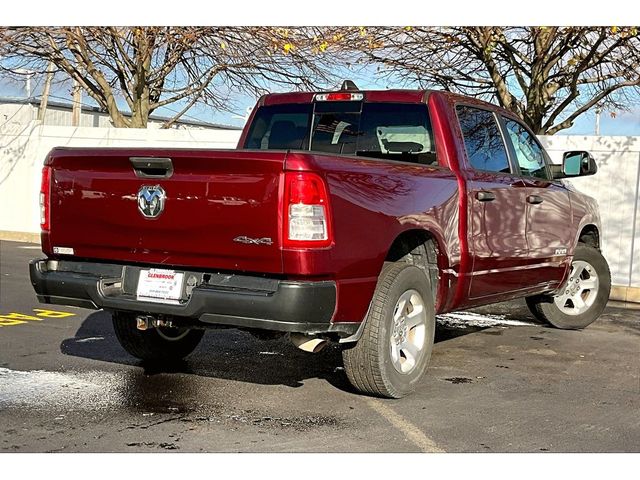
x=44, y=99
x=77, y=105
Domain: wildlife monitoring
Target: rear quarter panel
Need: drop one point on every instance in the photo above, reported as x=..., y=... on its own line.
x=372, y=203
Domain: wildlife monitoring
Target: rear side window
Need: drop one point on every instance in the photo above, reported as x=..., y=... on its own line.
x=397, y=131
x=528, y=152
x=482, y=140
x=394, y=131
x=280, y=127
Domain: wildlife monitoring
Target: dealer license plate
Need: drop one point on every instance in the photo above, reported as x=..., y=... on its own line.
x=159, y=285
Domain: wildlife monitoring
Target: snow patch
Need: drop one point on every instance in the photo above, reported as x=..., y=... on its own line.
x=89, y=339
x=62, y=391
x=470, y=319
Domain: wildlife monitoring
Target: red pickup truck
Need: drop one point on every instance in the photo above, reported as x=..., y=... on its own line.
x=348, y=216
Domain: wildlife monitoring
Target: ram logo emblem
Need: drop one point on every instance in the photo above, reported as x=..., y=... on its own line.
x=151, y=201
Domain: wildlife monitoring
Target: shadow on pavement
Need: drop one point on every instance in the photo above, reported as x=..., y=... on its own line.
x=227, y=354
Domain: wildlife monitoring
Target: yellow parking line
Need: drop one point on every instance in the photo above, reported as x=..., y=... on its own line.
x=14, y=318
x=413, y=433
x=52, y=313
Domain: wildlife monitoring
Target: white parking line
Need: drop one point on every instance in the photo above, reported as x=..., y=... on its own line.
x=413, y=433
x=30, y=247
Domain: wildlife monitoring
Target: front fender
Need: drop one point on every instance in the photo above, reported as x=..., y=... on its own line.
x=585, y=212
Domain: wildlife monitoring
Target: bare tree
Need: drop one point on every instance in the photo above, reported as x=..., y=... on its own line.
x=547, y=75
x=141, y=69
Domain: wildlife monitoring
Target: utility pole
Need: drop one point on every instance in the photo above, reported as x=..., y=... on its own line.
x=77, y=104
x=598, y=111
x=27, y=81
x=45, y=92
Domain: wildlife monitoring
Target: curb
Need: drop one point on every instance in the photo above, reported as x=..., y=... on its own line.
x=20, y=236
x=625, y=305
x=625, y=294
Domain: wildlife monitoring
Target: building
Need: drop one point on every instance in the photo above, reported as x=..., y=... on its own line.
x=21, y=111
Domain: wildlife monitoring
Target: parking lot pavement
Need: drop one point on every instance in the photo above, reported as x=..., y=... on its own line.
x=498, y=382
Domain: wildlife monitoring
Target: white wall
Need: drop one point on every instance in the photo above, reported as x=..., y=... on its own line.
x=23, y=149
x=616, y=187
x=13, y=113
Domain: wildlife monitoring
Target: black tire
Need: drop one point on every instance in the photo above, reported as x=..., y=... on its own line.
x=369, y=364
x=153, y=345
x=545, y=309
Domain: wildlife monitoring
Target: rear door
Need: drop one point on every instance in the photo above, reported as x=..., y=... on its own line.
x=549, y=235
x=497, y=206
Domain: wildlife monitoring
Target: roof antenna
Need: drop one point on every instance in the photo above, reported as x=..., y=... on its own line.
x=348, y=85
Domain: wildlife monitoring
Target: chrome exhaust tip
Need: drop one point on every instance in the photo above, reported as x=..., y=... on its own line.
x=306, y=343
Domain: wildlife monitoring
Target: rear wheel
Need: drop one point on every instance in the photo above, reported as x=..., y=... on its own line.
x=393, y=353
x=583, y=298
x=162, y=344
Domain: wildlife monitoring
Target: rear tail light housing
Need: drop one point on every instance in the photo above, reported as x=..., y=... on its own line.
x=307, y=222
x=45, y=199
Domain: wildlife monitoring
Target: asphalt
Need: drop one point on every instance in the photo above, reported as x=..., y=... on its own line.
x=498, y=382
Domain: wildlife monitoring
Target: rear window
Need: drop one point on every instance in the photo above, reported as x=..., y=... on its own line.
x=396, y=131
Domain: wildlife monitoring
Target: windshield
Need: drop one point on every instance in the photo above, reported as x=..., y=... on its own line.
x=397, y=131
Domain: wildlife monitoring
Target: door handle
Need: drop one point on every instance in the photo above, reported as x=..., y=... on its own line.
x=152, y=167
x=485, y=196
x=534, y=199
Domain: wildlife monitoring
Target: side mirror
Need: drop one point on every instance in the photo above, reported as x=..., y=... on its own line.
x=578, y=163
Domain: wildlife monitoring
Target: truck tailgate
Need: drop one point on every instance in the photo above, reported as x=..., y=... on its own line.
x=216, y=203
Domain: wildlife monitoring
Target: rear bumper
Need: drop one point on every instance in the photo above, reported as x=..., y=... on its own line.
x=234, y=300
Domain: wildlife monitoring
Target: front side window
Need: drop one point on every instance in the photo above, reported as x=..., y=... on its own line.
x=482, y=140
x=528, y=152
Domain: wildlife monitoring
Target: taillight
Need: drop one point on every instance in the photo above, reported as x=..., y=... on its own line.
x=45, y=199
x=306, y=213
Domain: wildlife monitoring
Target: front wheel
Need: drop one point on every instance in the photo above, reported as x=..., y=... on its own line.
x=161, y=344
x=393, y=353
x=584, y=296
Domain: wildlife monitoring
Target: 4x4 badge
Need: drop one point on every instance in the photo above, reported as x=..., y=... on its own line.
x=253, y=241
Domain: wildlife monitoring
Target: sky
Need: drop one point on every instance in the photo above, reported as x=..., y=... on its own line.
x=622, y=123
